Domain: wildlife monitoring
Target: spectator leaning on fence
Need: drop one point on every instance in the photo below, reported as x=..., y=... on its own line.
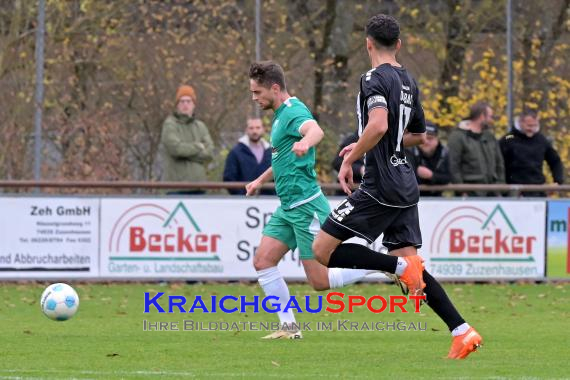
x=186, y=143
x=525, y=149
x=249, y=158
x=430, y=161
x=474, y=153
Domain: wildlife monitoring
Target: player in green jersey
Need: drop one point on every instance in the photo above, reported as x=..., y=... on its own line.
x=303, y=206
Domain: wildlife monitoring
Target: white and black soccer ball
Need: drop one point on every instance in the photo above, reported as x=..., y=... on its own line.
x=59, y=302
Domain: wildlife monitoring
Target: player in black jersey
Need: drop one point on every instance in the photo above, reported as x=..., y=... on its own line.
x=388, y=105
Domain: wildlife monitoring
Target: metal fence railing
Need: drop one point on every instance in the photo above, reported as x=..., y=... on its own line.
x=512, y=190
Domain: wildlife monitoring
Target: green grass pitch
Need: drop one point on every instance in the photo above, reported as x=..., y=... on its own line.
x=524, y=326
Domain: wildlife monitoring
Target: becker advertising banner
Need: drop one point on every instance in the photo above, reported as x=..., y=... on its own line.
x=186, y=238
x=49, y=237
x=483, y=239
x=216, y=238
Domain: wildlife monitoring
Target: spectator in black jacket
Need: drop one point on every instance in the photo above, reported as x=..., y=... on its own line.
x=430, y=161
x=249, y=158
x=525, y=149
x=357, y=166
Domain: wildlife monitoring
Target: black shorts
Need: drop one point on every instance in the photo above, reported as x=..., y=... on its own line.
x=361, y=215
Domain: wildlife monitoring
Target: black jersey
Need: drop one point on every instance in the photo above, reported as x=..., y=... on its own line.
x=388, y=177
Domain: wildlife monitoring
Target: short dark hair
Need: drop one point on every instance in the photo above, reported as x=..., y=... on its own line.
x=529, y=112
x=478, y=109
x=267, y=73
x=384, y=31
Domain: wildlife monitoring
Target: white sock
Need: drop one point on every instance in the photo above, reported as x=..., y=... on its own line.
x=401, y=267
x=460, y=330
x=339, y=277
x=273, y=284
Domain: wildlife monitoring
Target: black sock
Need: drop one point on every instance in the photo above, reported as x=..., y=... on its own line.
x=439, y=302
x=357, y=256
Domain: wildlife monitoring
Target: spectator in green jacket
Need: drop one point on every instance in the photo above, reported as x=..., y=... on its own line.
x=186, y=143
x=474, y=153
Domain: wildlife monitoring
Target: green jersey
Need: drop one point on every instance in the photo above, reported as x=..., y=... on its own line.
x=295, y=177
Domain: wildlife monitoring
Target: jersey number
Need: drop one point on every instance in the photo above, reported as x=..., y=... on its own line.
x=405, y=113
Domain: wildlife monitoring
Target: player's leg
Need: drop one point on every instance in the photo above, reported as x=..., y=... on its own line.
x=323, y=278
x=306, y=220
x=360, y=215
x=465, y=339
x=277, y=239
x=317, y=274
x=403, y=238
x=436, y=298
x=269, y=253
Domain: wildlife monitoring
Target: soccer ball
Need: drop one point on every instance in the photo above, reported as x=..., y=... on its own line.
x=59, y=302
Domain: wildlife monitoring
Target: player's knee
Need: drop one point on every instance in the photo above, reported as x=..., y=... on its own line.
x=319, y=284
x=321, y=253
x=261, y=261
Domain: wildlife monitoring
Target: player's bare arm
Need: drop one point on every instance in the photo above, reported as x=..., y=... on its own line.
x=412, y=139
x=253, y=187
x=312, y=135
x=373, y=133
x=344, y=151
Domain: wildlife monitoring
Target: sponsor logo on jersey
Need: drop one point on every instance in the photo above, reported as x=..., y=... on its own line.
x=396, y=161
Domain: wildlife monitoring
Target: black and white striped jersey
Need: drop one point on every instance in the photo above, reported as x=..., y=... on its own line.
x=388, y=176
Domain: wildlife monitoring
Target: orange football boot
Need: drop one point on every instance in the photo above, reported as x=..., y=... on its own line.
x=464, y=344
x=413, y=275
